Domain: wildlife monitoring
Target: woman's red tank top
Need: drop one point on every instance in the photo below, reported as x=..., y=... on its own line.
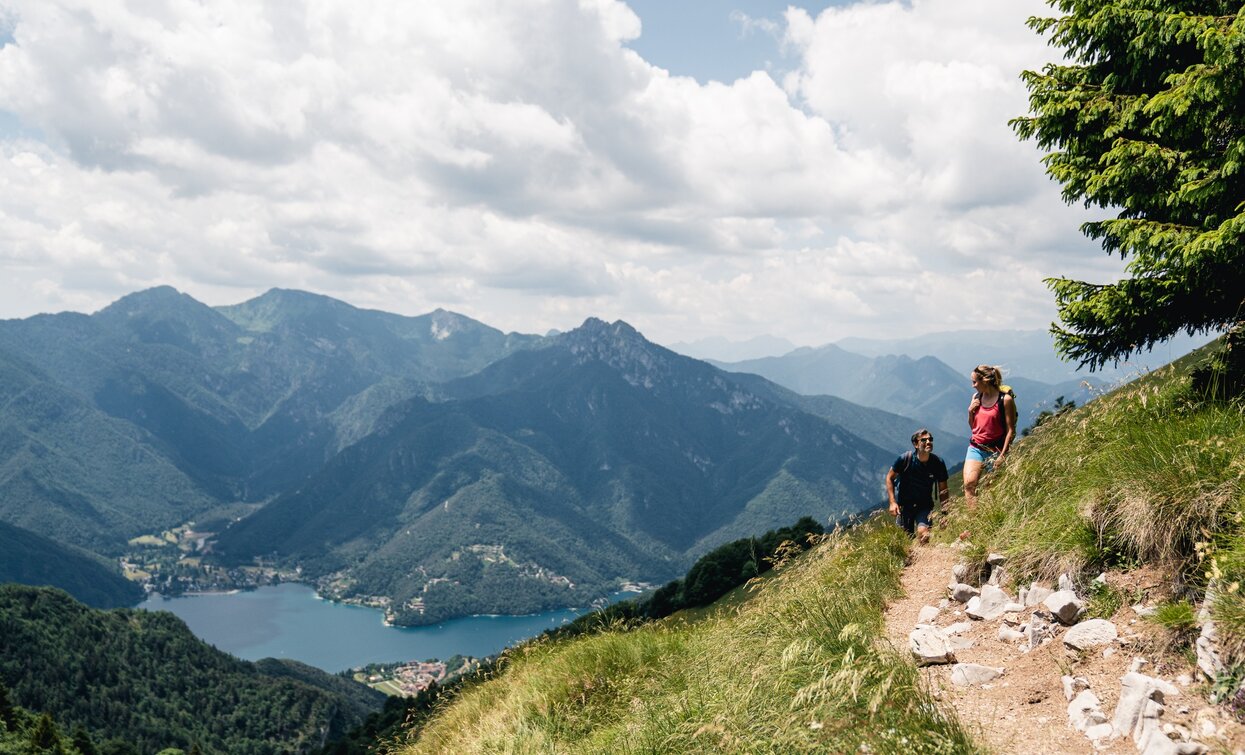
x=989, y=427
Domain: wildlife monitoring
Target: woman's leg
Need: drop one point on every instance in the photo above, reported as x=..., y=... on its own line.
x=972, y=473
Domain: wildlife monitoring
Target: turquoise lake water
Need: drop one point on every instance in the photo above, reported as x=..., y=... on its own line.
x=289, y=621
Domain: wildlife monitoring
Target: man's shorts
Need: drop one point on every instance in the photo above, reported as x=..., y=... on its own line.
x=985, y=457
x=914, y=515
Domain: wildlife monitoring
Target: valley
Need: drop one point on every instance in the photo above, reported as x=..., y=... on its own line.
x=431, y=467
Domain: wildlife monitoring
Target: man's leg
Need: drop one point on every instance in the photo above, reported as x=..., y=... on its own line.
x=922, y=517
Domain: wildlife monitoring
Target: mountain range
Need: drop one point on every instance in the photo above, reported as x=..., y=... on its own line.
x=548, y=475
x=925, y=389
x=431, y=461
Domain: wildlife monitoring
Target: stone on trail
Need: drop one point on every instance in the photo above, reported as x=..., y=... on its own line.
x=1208, y=660
x=958, y=627
x=1007, y=634
x=996, y=559
x=1099, y=731
x=1140, y=706
x=998, y=575
x=963, y=592
x=1073, y=685
x=1065, y=605
x=1034, y=595
x=929, y=646
x=1065, y=583
x=959, y=573
x=1090, y=633
x=1038, y=631
x=990, y=604
x=927, y=615
x=1085, y=711
x=969, y=674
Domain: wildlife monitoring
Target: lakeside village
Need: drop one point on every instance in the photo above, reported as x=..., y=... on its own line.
x=171, y=564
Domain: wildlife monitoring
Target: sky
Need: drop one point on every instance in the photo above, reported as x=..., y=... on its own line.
x=714, y=168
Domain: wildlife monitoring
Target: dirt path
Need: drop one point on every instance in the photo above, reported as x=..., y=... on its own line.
x=1025, y=710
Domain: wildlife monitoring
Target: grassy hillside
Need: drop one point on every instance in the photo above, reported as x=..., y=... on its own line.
x=795, y=668
x=1151, y=475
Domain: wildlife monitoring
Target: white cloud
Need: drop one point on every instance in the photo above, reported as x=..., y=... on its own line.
x=516, y=162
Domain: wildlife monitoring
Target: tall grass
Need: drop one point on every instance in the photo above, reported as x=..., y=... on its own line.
x=1148, y=474
x=802, y=666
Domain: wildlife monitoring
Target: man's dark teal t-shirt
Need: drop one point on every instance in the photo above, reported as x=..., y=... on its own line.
x=918, y=481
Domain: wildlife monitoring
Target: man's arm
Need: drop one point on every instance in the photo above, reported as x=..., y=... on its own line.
x=890, y=491
x=944, y=495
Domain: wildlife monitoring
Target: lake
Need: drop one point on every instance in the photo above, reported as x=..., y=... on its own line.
x=289, y=621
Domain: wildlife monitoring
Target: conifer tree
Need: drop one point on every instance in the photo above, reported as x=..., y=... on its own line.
x=44, y=737
x=1146, y=119
x=8, y=716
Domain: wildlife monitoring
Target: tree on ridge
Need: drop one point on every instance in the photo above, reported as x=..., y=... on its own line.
x=1147, y=116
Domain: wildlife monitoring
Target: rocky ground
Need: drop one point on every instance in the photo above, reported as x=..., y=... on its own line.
x=1037, y=678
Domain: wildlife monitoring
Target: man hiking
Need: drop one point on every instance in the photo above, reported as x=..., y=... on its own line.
x=918, y=473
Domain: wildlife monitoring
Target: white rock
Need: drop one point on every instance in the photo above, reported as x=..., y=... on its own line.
x=1035, y=595
x=996, y=559
x=1208, y=659
x=1065, y=583
x=960, y=643
x=959, y=572
x=1014, y=607
x=1090, y=633
x=1038, y=631
x=1108, y=652
x=1007, y=634
x=1142, y=610
x=927, y=615
x=1101, y=579
x=1138, y=664
x=1084, y=711
x=1073, y=685
x=1065, y=605
x=959, y=627
x=1208, y=728
x=968, y=674
x=1139, y=708
x=943, y=603
x=930, y=646
x=990, y=604
x=1099, y=731
x=998, y=575
x=963, y=592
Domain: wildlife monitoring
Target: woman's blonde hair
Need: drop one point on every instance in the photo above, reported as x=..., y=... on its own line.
x=988, y=374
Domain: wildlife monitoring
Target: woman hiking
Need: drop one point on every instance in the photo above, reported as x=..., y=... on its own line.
x=992, y=420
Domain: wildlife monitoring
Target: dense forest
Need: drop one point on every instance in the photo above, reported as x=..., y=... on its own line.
x=144, y=678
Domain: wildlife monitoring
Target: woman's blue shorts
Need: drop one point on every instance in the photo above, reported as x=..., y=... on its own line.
x=985, y=457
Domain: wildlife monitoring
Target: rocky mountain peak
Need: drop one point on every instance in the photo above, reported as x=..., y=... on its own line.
x=622, y=347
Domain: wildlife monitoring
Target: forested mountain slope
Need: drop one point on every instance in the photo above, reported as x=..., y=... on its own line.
x=597, y=458
x=144, y=678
